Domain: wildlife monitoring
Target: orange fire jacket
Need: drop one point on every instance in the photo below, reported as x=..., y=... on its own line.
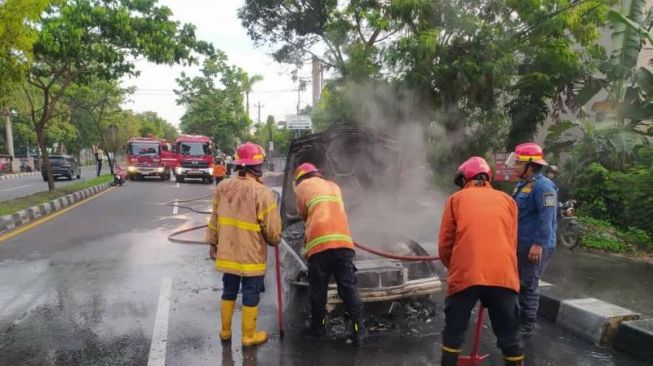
x=244, y=221
x=219, y=170
x=478, y=238
x=320, y=204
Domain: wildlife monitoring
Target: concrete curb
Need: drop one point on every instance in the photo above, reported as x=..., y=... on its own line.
x=636, y=338
x=17, y=175
x=22, y=217
x=600, y=322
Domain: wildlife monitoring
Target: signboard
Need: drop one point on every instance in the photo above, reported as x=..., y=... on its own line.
x=502, y=173
x=298, y=122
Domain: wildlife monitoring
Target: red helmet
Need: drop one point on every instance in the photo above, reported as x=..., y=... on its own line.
x=470, y=169
x=303, y=169
x=529, y=153
x=249, y=153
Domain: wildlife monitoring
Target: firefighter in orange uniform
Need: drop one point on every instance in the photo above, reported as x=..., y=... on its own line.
x=478, y=244
x=219, y=171
x=328, y=247
x=244, y=221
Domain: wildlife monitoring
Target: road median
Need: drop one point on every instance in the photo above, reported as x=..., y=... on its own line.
x=23, y=210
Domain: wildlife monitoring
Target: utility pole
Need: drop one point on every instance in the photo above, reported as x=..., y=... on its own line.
x=259, y=106
x=317, y=80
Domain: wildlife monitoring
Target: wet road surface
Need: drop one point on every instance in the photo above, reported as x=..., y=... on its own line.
x=23, y=186
x=86, y=289
x=620, y=281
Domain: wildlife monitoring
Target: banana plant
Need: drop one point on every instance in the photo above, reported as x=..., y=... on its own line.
x=622, y=119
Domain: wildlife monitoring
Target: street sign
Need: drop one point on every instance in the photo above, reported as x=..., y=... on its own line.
x=271, y=146
x=298, y=122
x=502, y=172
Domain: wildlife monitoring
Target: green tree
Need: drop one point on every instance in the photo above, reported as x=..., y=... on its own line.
x=83, y=39
x=280, y=137
x=18, y=19
x=248, y=84
x=485, y=71
x=214, y=102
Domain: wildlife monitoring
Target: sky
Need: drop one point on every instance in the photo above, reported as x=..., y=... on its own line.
x=217, y=22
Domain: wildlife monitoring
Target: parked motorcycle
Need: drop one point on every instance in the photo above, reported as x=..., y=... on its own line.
x=568, y=233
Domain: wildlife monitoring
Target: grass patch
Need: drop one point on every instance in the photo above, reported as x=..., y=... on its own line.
x=600, y=234
x=10, y=207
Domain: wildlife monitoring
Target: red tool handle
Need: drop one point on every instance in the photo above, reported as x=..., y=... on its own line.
x=476, y=346
x=279, y=289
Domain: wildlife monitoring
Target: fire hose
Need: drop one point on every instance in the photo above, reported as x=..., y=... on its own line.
x=473, y=359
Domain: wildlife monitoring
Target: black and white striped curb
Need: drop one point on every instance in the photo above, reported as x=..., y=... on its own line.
x=600, y=322
x=22, y=217
x=17, y=175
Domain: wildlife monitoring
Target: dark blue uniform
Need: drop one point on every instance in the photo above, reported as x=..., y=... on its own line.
x=537, y=201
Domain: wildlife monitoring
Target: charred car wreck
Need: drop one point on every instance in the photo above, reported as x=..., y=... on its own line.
x=366, y=166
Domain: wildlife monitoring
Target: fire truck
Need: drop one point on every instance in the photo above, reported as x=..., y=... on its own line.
x=194, y=158
x=149, y=157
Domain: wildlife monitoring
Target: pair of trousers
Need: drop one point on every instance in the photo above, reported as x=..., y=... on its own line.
x=340, y=264
x=529, y=281
x=251, y=288
x=502, y=307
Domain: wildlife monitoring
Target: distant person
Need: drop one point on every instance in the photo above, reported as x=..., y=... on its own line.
x=230, y=165
x=537, y=199
x=219, y=171
x=328, y=247
x=477, y=244
x=98, y=159
x=244, y=221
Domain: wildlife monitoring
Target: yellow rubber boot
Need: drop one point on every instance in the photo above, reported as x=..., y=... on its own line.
x=250, y=336
x=226, y=313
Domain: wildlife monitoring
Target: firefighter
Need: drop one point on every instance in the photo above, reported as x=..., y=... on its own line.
x=328, y=248
x=244, y=220
x=219, y=171
x=477, y=243
x=537, y=200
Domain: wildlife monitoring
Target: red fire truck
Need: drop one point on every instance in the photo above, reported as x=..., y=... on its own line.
x=194, y=158
x=148, y=156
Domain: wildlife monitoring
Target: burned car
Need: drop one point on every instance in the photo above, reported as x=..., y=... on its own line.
x=365, y=165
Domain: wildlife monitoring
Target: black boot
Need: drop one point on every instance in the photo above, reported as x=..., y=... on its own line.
x=314, y=328
x=449, y=358
x=526, y=328
x=358, y=333
x=515, y=360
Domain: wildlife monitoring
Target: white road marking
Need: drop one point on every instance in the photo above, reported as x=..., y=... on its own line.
x=178, y=185
x=175, y=207
x=15, y=188
x=160, y=334
x=545, y=284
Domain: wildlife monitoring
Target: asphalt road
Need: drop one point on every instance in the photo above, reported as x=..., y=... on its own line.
x=101, y=285
x=24, y=186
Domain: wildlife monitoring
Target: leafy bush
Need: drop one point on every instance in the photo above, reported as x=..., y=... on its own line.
x=624, y=199
x=600, y=234
x=639, y=238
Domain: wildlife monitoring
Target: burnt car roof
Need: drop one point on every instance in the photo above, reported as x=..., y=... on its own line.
x=353, y=157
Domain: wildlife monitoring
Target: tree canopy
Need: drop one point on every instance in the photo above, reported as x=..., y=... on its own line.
x=214, y=102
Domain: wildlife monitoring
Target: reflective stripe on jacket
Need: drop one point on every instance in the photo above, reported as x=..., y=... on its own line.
x=320, y=204
x=244, y=220
x=478, y=238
